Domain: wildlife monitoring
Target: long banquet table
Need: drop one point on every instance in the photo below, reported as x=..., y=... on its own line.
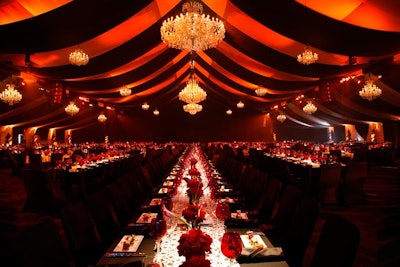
x=168, y=253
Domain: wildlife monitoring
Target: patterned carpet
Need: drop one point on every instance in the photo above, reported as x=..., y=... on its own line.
x=378, y=219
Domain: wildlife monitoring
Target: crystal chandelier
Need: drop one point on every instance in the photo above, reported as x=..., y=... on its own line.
x=240, y=104
x=10, y=95
x=192, y=30
x=229, y=112
x=78, y=57
x=192, y=108
x=261, y=91
x=310, y=108
x=102, y=118
x=307, y=57
x=145, y=106
x=192, y=93
x=125, y=91
x=370, y=91
x=281, y=117
x=71, y=109
x=156, y=112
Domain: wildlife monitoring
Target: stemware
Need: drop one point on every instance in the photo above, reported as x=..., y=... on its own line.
x=231, y=246
x=158, y=228
x=222, y=211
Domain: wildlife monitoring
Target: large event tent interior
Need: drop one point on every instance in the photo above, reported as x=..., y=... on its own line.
x=256, y=90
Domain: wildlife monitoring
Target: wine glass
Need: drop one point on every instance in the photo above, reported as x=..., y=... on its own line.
x=222, y=211
x=231, y=246
x=158, y=228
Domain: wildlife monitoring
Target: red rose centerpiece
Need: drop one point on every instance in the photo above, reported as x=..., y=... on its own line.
x=194, y=215
x=193, y=245
x=194, y=190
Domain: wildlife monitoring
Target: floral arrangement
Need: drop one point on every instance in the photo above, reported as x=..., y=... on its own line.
x=193, y=161
x=194, y=172
x=194, y=243
x=194, y=215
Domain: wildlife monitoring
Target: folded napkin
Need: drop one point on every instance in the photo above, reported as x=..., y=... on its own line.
x=252, y=255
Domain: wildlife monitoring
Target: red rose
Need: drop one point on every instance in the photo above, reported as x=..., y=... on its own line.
x=191, y=213
x=194, y=243
x=196, y=261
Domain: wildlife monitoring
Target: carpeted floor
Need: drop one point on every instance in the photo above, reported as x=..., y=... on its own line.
x=378, y=219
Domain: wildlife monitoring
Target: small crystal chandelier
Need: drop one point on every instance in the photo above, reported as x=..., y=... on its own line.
x=102, y=118
x=261, y=91
x=125, y=91
x=10, y=95
x=192, y=108
x=192, y=93
x=192, y=30
x=156, y=112
x=370, y=91
x=307, y=57
x=71, y=109
x=145, y=106
x=310, y=108
x=229, y=112
x=78, y=57
x=281, y=117
x=240, y=104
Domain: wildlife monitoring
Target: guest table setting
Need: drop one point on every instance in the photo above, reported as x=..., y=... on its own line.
x=184, y=224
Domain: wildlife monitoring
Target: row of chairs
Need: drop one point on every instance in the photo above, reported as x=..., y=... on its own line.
x=91, y=224
x=288, y=216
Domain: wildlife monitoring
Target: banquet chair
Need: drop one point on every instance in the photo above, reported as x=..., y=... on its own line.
x=352, y=188
x=328, y=184
x=338, y=243
x=281, y=221
x=263, y=213
x=119, y=203
x=83, y=239
x=103, y=216
x=40, y=245
x=39, y=196
x=298, y=236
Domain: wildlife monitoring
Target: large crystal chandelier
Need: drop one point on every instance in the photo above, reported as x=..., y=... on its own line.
x=192, y=30
x=10, y=95
x=281, y=117
x=78, y=57
x=310, y=108
x=307, y=57
x=192, y=108
x=370, y=91
x=125, y=91
x=156, y=112
x=71, y=109
x=261, y=91
x=228, y=112
x=192, y=93
x=102, y=118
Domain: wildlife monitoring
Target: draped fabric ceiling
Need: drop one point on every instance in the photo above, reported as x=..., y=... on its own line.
x=262, y=41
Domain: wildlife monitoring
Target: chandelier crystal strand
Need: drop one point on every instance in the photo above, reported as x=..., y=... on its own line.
x=102, y=118
x=370, y=91
x=192, y=30
x=261, y=91
x=10, y=95
x=192, y=108
x=310, y=108
x=192, y=93
x=71, y=109
x=78, y=57
x=125, y=91
x=307, y=57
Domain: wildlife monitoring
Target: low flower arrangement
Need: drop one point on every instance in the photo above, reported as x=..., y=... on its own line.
x=193, y=245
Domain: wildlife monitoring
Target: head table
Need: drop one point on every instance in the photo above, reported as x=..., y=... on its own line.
x=176, y=188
